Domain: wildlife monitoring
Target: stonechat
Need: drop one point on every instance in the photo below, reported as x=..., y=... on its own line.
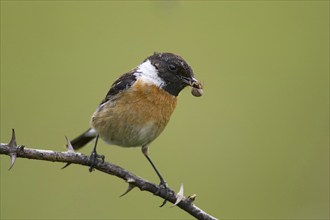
x=139, y=104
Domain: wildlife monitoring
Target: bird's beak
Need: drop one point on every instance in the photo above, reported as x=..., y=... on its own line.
x=191, y=81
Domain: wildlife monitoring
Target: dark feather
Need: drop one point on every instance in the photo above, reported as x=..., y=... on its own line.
x=122, y=83
x=82, y=139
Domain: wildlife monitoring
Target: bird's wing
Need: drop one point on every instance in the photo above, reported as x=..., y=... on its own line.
x=122, y=83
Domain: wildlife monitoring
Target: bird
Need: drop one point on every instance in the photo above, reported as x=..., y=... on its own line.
x=139, y=105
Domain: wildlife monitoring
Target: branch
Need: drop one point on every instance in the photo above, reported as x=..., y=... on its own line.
x=11, y=149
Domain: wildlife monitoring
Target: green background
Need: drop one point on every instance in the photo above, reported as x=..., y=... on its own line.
x=254, y=146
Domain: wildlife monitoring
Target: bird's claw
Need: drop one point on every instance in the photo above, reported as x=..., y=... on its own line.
x=94, y=158
x=163, y=185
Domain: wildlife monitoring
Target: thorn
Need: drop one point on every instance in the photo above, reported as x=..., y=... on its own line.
x=66, y=165
x=192, y=197
x=13, y=159
x=130, y=182
x=12, y=144
x=69, y=145
x=179, y=196
x=69, y=149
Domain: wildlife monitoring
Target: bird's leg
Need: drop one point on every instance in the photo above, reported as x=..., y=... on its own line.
x=94, y=156
x=162, y=181
x=145, y=152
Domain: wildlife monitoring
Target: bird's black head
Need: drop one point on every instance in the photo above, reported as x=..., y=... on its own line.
x=174, y=71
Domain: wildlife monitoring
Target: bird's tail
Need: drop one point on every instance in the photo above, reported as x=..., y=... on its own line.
x=83, y=139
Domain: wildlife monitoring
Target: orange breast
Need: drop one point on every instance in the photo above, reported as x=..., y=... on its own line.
x=136, y=117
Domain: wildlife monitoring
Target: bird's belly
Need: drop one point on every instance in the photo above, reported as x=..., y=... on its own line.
x=136, y=118
x=129, y=135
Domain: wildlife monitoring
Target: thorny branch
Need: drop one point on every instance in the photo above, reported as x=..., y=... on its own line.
x=185, y=203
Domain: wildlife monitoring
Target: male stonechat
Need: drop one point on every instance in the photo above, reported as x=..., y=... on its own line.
x=139, y=104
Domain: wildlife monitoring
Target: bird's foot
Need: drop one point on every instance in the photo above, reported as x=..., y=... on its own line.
x=94, y=159
x=163, y=185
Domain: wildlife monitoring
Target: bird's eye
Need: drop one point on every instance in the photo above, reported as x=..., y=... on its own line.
x=172, y=67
